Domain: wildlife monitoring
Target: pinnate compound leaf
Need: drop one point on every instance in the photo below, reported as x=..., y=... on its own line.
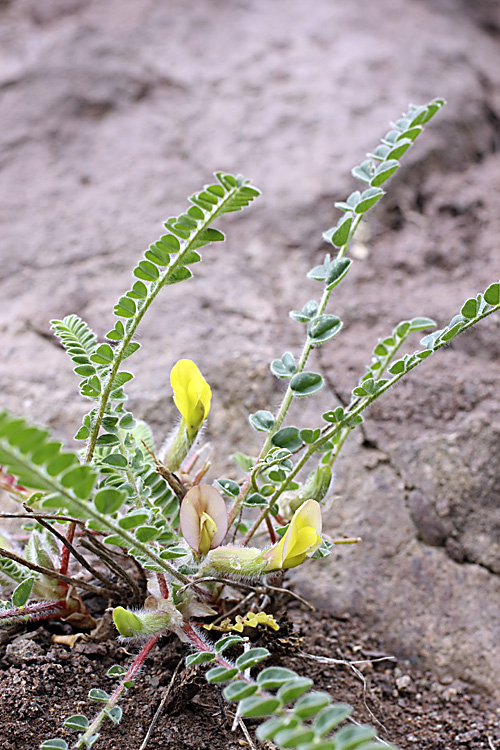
x=78, y=722
x=306, y=383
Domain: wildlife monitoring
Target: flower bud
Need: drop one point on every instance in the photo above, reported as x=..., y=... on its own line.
x=244, y=562
x=192, y=396
x=146, y=622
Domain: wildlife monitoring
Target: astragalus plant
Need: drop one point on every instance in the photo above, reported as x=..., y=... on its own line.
x=121, y=505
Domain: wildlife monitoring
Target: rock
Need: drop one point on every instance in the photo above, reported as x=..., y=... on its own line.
x=112, y=113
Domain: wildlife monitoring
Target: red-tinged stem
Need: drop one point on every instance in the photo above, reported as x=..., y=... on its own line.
x=65, y=551
x=270, y=528
x=38, y=611
x=162, y=582
x=117, y=694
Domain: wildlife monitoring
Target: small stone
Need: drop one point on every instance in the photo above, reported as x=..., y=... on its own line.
x=403, y=682
x=22, y=650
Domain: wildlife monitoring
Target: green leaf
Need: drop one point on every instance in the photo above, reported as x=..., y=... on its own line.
x=221, y=674
x=306, y=383
x=251, y=658
x=336, y=271
x=54, y=744
x=363, y=172
x=125, y=308
x=470, y=308
x=492, y=294
x=116, y=671
x=95, y=694
x=310, y=704
x=284, y=367
x=307, y=313
x=294, y=689
x=287, y=437
x=238, y=690
x=115, y=714
x=108, y=500
x=256, y=706
x=22, y=593
x=263, y=421
x=269, y=729
x=310, y=436
x=201, y=657
x=146, y=533
x=226, y=642
x=80, y=479
x=323, y=328
x=341, y=232
x=294, y=737
x=368, y=199
x=353, y=736
x=146, y=271
x=330, y=717
x=420, y=324
x=274, y=677
x=78, y=722
x=116, y=459
x=450, y=333
x=384, y=171
x=229, y=487
x=103, y=355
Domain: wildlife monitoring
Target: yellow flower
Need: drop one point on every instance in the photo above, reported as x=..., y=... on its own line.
x=192, y=394
x=301, y=539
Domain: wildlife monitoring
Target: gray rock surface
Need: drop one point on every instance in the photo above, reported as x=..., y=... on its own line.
x=112, y=113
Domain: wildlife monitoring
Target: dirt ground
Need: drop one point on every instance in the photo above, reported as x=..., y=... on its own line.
x=40, y=682
x=111, y=114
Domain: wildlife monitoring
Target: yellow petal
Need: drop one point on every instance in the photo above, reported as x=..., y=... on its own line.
x=192, y=394
x=208, y=530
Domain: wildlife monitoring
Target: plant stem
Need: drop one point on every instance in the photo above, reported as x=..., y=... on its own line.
x=117, y=694
x=132, y=326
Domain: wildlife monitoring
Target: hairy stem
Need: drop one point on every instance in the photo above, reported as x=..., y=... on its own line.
x=117, y=694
